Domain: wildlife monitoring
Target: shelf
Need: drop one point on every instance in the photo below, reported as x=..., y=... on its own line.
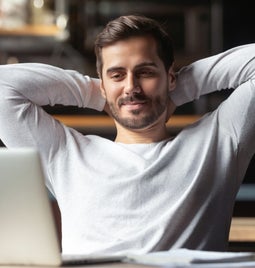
x=31, y=30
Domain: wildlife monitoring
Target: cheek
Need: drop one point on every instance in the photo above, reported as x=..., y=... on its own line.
x=112, y=91
x=154, y=87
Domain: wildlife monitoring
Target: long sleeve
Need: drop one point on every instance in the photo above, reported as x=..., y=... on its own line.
x=232, y=69
x=24, y=88
x=226, y=70
x=48, y=85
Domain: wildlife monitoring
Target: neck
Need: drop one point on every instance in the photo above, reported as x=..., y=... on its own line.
x=151, y=134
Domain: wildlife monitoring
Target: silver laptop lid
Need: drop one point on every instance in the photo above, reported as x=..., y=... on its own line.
x=27, y=229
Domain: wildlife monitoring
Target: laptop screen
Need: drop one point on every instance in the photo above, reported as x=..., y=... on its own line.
x=27, y=227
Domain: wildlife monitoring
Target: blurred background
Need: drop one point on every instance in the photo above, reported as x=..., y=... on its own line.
x=62, y=33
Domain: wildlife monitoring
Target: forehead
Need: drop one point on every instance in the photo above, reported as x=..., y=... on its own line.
x=130, y=52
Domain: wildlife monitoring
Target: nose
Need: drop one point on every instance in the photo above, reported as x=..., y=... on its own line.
x=132, y=85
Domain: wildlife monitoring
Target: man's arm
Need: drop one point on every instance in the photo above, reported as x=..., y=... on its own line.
x=226, y=70
x=24, y=88
x=48, y=85
x=233, y=69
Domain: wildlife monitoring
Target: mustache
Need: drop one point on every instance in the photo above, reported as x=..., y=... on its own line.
x=135, y=97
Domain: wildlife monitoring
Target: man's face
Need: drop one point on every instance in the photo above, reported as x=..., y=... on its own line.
x=135, y=82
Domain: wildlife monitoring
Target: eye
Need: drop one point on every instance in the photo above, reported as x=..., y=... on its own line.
x=146, y=73
x=117, y=76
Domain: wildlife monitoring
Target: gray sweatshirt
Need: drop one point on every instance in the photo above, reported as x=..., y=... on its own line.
x=118, y=198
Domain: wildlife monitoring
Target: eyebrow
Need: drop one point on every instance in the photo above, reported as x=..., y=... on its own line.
x=114, y=69
x=141, y=65
x=146, y=64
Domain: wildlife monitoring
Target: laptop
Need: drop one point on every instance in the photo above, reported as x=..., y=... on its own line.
x=28, y=235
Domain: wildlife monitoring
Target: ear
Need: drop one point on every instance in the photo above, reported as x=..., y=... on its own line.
x=171, y=78
x=102, y=89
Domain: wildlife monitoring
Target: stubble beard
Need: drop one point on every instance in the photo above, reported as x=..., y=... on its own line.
x=137, y=120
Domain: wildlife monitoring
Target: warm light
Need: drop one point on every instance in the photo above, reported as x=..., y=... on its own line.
x=38, y=3
x=62, y=21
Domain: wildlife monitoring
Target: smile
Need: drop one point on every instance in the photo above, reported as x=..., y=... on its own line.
x=134, y=104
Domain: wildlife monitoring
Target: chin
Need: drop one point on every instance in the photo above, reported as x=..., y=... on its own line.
x=137, y=123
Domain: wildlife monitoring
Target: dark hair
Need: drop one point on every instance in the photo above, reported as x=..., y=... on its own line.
x=133, y=25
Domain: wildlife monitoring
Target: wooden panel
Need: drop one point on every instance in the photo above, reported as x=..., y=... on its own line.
x=83, y=122
x=242, y=230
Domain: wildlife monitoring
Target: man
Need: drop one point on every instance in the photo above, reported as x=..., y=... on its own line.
x=145, y=191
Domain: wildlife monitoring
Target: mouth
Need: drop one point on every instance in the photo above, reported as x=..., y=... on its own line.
x=133, y=101
x=133, y=105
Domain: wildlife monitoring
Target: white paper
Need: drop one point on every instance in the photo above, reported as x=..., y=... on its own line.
x=189, y=257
